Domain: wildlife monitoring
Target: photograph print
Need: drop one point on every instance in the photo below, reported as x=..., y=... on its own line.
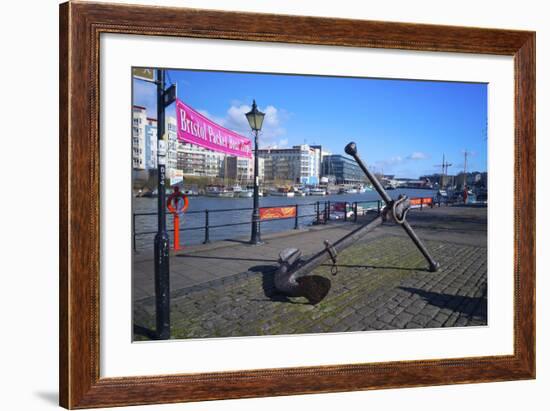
x=281, y=204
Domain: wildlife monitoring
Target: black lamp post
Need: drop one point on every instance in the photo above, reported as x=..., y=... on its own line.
x=162, y=242
x=255, y=118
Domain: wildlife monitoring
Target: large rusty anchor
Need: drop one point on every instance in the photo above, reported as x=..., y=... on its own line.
x=291, y=277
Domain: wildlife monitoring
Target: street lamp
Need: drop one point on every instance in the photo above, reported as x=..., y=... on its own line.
x=255, y=118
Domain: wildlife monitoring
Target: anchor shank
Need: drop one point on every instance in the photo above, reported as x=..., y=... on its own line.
x=434, y=265
x=351, y=149
x=319, y=258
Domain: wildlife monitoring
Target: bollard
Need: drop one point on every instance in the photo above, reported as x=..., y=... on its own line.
x=355, y=212
x=206, y=228
x=328, y=211
x=421, y=203
x=296, y=218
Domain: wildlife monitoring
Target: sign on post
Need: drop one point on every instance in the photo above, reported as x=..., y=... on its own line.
x=195, y=128
x=147, y=74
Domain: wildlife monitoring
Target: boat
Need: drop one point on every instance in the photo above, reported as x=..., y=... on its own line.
x=363, y=189
x=317, y=191
x=298, y=191
x=220, y=192
x=246, y=193
x=281, y=192
x=189, y=192
x=149, y=194
x=236, y=188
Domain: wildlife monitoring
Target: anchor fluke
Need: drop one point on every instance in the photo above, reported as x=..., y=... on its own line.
x=287, y=280
x=314, y=287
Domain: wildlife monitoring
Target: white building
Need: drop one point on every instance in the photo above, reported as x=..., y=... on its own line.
x=151, y=143
x=171, y=147
x=195, y=160
x=139, y=121
x=242, y=169
x=299, y=164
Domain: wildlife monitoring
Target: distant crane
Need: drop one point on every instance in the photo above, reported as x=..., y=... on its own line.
x=444, y=168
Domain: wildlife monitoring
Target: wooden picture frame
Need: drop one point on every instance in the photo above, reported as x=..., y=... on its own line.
x=81, y=25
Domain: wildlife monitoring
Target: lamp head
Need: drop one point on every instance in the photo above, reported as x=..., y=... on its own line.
x=255, y=117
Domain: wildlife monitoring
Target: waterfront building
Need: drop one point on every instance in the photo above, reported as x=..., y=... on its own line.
x=150, y=143
x=342, y=169
x=139, y=121
x=242, y=169
x=471, y=179
x=194, y=160
x=299, y=164
x=171, y=147
x=441, y=180
x=144, y=142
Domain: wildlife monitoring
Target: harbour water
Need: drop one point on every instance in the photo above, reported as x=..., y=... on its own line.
x=239, y=210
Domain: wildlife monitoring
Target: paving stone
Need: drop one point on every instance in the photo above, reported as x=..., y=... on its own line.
x=402, y=319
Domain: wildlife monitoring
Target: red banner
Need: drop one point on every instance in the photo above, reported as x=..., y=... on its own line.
x=270, y=213
x=421, y=201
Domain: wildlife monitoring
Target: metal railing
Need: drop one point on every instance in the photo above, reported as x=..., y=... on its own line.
x=207, y=226
x=323, y=212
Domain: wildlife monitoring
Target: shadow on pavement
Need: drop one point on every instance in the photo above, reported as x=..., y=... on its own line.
x=460, y=303
x=382, y=267
x=143, y=331
x=210, y=257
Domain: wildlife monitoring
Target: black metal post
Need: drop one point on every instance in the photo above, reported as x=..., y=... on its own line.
x=328, y=210
x=255, y=237
x=296, y=218
x=162, y=242
x=134, y=230
x=355, y=212
x=317, y=206
x=206, y=227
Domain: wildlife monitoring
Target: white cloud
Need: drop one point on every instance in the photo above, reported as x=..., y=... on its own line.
x=417, y=155
x=272, y=133
x=283, y=142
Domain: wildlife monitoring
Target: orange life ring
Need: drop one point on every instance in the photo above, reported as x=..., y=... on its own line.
x=172, y=197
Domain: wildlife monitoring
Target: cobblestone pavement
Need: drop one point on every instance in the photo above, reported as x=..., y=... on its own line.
x=382, y=283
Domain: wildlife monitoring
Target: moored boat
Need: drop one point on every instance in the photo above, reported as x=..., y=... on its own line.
x=281, y=192
x=217, y=191
x=317, y=192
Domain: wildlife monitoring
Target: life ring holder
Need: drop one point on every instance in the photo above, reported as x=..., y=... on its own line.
x=175, y=196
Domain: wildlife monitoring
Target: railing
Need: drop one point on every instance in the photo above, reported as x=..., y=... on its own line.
x=323, y=212
x=207, y=227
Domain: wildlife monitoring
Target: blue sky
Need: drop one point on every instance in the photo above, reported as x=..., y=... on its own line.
x=401, y=127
